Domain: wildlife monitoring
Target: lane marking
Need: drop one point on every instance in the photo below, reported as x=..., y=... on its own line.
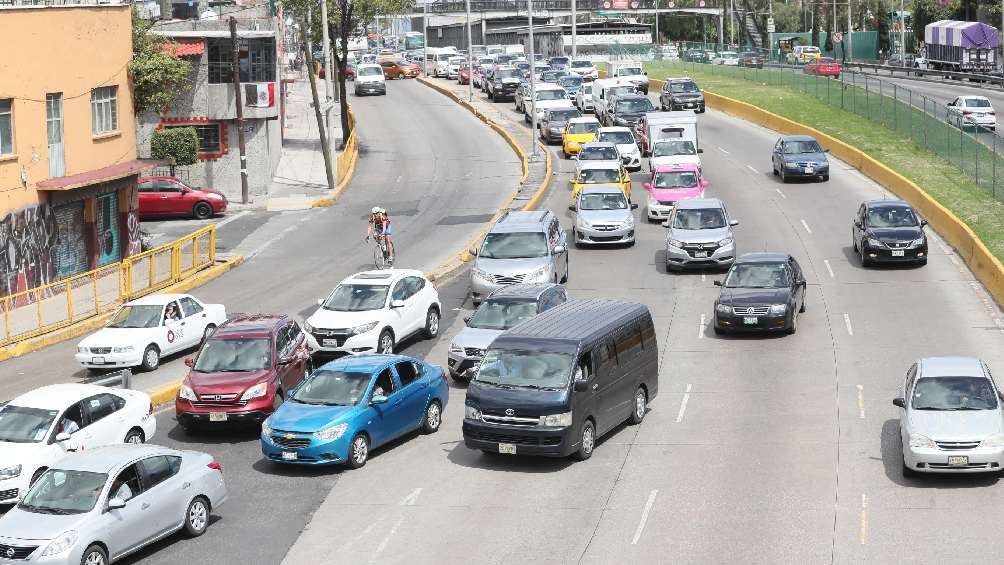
x=386, y=539
x=683, y=404
x=704, y=277
x=229, y=219
x=411, y=498
x=806, y=226
x=861, y=402
x=847, y=324
x=750, y=167
x=269, y=243
x=781, y=193
x=863, y=533
x=829, y=269
x=723, y=150
x=954, y=260
x=700, y=331
x=943, y=247
x=644, y=516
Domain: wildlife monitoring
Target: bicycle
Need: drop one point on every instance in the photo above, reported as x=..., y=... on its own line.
x=381, y=257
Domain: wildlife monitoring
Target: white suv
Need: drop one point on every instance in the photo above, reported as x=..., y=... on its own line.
x=372, y=311
x=370, y=80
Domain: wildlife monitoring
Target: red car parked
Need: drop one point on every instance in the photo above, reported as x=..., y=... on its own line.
x=823, y=66
x=243, y=371
x=168, y=196
x=464, y=76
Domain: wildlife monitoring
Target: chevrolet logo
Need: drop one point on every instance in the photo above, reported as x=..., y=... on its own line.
x=290, y=436
x=509, y=411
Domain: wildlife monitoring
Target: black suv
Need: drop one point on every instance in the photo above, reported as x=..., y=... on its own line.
x=503, y=83
x=681, y=94
x=627, y=109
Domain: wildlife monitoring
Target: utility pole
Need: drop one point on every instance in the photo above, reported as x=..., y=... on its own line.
x=236, y=72
x=329, y=73
x=425, y=35
x=732, y=22
x=902, y=35
x=533, y=85
x=329, y=171
x=470, y=57
x=574, y=23
x=849, y=46
x=658, y=41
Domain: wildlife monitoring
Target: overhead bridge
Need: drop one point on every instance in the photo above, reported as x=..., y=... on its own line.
x=618, y=8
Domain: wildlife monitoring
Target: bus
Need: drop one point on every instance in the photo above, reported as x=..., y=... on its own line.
x=412, y=40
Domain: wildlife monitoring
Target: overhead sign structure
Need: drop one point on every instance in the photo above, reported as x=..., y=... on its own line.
x=609, y=39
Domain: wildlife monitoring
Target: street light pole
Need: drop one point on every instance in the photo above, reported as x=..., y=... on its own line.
x=533, y=83
x=732, y=22
x=470, y=57
x=657, y=41
x=329, y=72
x=902, y=35
x=849, y=49
x=425, y=35
x=574, y=22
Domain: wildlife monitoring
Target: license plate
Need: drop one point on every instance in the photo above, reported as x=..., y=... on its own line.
x=690, y=105
x=958, y=460
x=808, y=170
x=97, y=360
x=507, y=448
x=217, y=416
x=897, y=253
x=750, y=320
x=289, y=455
x=700, y=254
x=329, y=342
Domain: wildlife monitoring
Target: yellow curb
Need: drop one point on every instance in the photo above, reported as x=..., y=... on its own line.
x=353, y=149
x=164, y=395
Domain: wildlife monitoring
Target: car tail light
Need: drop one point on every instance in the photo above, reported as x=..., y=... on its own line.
x=215, y=466
x=966, y=113
x=149, y=409
x=992, y=113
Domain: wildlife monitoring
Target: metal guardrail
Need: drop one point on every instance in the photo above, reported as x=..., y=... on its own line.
x=451, y=6
x=892, y=70
x=122, y=378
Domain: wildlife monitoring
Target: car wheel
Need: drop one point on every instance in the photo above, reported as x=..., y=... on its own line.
x=587, y=441
x=151, y=358
x=854, y=242
x=801, y=309
x=773, y=169
x=386, y=343
x=864, y=260
x=197, y=517
x=400, y=76
x=202, y=211
x=38, y=475
x=718, y=331
x=94, y=555
x=826, y=178
x=134, y=436
x=432, y=323
x=433, y=418
x=907, y=471
x=208, y=332
x=794, y=324
x=359, y=451
x=564, y=279
x=922, y=262
x=640, y=405
x=784, y=179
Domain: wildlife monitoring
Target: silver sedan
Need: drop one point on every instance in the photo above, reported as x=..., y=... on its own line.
x=99, y=505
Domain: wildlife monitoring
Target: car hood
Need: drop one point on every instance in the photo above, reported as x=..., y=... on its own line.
x=699, y=236
x=333, y=319
x=941, y=425
x=511, y=266
x=523, y=402
x=627, y=148
x=675, y=160
x=476, y=337
x=112, y=337
x=545, y=104
x=308, y=418
x=805, y=158
x=24, y=525
x=896, y=234
x=581, y=138
x=744, y=296
x=224, y=381
x=604, y=216
x=676, y=194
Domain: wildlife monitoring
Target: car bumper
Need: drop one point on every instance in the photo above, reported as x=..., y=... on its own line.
x=109, y=360
x=370, y=88
x=927, y=460
x=459, y=364
x=989, y=121
x=317, y=452
x=886, y=255
x=720, y=257
x=767, y=323
x=805, y=172
x=361, y=343
x=588, y=236
x=202, y=415
x=548, y=442
x=71, y=557
x=659, y=211
x=687, y=105
x=12, y=489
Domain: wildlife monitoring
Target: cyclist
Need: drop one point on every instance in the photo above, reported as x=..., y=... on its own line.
x=379, y=224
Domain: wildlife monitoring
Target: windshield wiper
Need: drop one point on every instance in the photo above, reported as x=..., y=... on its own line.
x=930, y=408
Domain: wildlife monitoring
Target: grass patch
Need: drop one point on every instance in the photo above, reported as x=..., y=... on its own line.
x=889, y=136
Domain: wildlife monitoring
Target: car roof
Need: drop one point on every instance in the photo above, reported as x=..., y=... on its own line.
x=600, y=164
x=612, y=129
x=763, y=257
x=592, y=144
x=364, y=362
x=109, y=458
x=798, y=138
x=57, y=397
x=887, y=203
x=699, y=203
x=156, y=299
x=974, y=97
x=383, y=277
x=522, y=290
x=521, y=221
x=584, y=120
x=680, y=79
x=244, y=324
x=576, y=320
x=631, y=97
x=669, y=167
x=950, y=367
x=601, y=189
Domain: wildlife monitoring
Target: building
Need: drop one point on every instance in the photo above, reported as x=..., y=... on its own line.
x=68, y=165
x=603, y=37
x=209, y=104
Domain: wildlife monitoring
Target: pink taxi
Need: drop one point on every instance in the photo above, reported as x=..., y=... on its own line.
x=670, y=184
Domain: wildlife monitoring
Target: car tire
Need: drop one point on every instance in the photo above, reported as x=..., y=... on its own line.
x=587, y=441
x=718, y=331
x=826, y=178
x=922, y=262
x=400, y=76
x=854, y=243
x=151, y=358
x=784, y=179
x=94, y=555
x=210, y=328
x=564, y=279
x=793, y=327
x=277, y=400
x=907, y=471
x=773, y=170
x=37, y=475
x=136, y=436
x=864, y=260
x=801, y=309
x=196, y=517
x=202, y=211
x=640, y=406
x=433, y=418
x=431, y=323
x=385, y=344
x=359, y=451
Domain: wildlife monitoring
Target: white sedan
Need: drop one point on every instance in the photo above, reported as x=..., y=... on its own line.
x=372, y=311
x=146, y=329
x=972, y=111
x=40, y=427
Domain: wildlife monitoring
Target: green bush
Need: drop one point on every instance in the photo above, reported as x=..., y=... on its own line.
x=180, y=144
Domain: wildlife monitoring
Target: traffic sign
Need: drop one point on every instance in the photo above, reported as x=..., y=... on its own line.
x=837, y=37
x=770, y=28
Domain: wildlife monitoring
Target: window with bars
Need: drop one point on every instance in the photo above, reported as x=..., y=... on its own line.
x=257, y=60
x=209, y=137
x=6, y=126
x=104, y=109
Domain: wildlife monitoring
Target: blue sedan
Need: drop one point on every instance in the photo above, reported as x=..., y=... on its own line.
x=800, y=156
x=352, y=405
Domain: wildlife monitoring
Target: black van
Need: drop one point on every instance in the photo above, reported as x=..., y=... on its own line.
x=555, y=383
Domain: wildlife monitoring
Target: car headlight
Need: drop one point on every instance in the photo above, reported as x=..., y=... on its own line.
x=454, y=348
x=214, y=196
x=778, y=309
x=726, y=241
x=124, y=349
x=307, y=327
x=995, y=441
x=266, y=427
x=82, y=350
x=922, y=441
x=472, y=413
x=875, y=243
x=557, y=420
x=918, y=242
x=187, y=393
x=629, y=221
x=363, y=328
x=332, y=432
x=257, y=391
x=61, y=545
x=674, y=243
x=723, y=309
x=10, y=472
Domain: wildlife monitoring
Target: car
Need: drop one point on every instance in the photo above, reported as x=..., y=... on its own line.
x=144, y=330
x=626, y=110
x=681, y=94
x=751, y=59
x=822, y=66
x=398, y=69
x=168, y=196
x=464, y=76
x=700, y=235
x=552, y=76
x=454, y=66
x=726, y=58
x=370, y=79
x=603, y=216
x=600, y=174
x=674, y=152
x=243, y=372
x=697, y=56
x=97, y=506
x=671, y=184
x=373, y=311
x=577, y=131
x=548, y=96
x=559, y=63
x=352, y=405
x=521, y=99
x=972, y=111
x=800, y=156
x=597, y=153
x=888, y=231
x=502, y=83
x=40, y=427
x=584, y=98
x=551, y=127
x=950, y=418
x=762, y=291
x=584, y=68
x=627, y=147
x=571, y=84
x=539, y=69
x=521, y=247
x=501, y=310
x=803, y=54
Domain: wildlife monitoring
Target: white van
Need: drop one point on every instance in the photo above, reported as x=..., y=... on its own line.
x=603, y=89
x=437, y=60
x=657, y=126
x=548, y=96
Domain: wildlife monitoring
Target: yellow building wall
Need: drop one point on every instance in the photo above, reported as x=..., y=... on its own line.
x=68, y=49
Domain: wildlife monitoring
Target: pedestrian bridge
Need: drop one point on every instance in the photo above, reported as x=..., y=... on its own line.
x=503, y=8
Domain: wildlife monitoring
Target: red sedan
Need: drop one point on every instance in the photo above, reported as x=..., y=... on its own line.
x=464, y=76
x=823, y=66
x=168, y=196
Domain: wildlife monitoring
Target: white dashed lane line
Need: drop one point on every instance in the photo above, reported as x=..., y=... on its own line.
x=806, y=226
x=829, y=269
x=847, y=324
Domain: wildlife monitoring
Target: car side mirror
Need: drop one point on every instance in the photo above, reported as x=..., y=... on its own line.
x=718, y=282
x=700, y=151
x=857, y=223
x=559, y=249
x=581, y=385
x=397, y=303
x=378, y=399
x=116, y=503
x=634, y=206
x=733, y=222
x=467, y=318
x=704, y=184
x=62, y=436
x=189, y=362
x=648, y=186
x=923, y=223
x=898, y=402
x=571, y=208
x=473, y=251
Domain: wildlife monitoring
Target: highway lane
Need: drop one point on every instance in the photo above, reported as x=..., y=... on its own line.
x=775, y=449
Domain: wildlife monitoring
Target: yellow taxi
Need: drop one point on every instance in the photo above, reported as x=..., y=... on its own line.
x=578, y=131
x=601, y=173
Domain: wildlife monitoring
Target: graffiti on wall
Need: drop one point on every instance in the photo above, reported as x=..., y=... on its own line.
x=28, y=249
x=71, y=243
x=133, y=244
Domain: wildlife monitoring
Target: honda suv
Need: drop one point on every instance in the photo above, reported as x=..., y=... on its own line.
x=681, y=94
x=700, y=235
x=522, y=247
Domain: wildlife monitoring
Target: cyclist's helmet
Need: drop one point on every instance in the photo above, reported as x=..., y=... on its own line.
x=375, y=210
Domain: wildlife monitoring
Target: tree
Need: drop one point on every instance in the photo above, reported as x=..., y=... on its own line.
x=179, y=146
x=828, y=46
x=157, y=74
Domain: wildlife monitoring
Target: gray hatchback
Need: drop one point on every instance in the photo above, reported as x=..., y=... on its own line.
x=700, y=235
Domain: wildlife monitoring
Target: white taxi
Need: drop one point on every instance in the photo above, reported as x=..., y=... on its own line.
x=144, y=330
x=39, y=428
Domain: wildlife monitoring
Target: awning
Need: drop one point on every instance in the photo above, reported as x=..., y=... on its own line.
x=185, y=47
x=104, y=174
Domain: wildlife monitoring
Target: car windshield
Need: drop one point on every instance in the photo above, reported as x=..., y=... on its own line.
x=369, y=71
x=583, y=127
x=892, y=217
x=507, y=73
x=977, y=103
x=525, y=369
x=702, y=219
x=728, y=55
x=234, y=355
x=64, y=492
x=356, y=298
x=25, y=425
x=679, y=179
x=629, y=71
x=502, y=314
x=332, y=388
x=826, y=60
x=142, y=316
x=674, y=147
x=594, y=176
x=559, y=60
x=682, y=87
x=581, y=64
x=799, y=147
x=551, y=76
x=620, y=90
x=570, y=81
x=514, y=245
x=635, y=105
x=605, y=201
x=564, y=115
x=598, y=154
x=551, y=95
x=757, y=275
x=954, y=393
x=616, y=137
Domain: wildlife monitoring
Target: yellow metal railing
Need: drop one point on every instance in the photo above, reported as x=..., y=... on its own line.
x=39, y=310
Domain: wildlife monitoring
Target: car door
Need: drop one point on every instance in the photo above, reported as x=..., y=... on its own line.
x=382, y=424
x=171, y=197
x=73, y=417
x=105, y=422
x=291, y=356
x=173, y=331
x=194, y=321
x=132, y=525
x=798, y=282
x=148, y=198
x=413, y=393
x=165, y=493
x=858, y=227
x=776, y=156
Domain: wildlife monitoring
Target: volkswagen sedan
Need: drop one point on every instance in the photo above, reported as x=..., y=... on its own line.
x=761, y=292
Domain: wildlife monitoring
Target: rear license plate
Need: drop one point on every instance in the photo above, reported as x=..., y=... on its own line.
x=809, y=170
x=700, y=254
x=897, y=253
x=750, y=320
x=289, y=455
x=958, y=460
x=217, y=416
x=97, y=360
x=329, y=342
x=507, y=448
x=690, y=105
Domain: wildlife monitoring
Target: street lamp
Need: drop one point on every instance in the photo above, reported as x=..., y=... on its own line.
x=573, y=31
x=470, y=57
x=425, y=35
x=533, y=84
